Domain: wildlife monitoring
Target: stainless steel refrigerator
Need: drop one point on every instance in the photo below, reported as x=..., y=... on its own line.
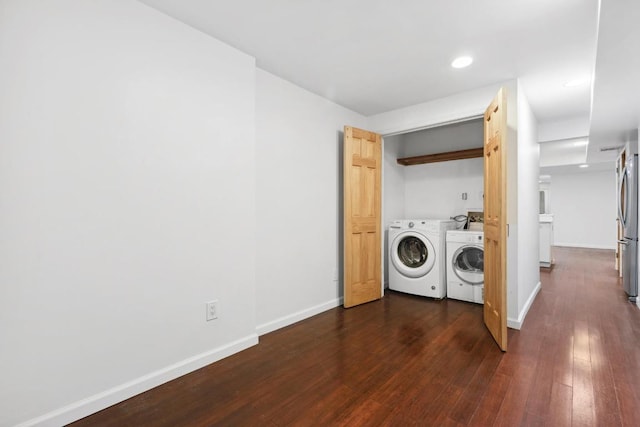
x=628, y=214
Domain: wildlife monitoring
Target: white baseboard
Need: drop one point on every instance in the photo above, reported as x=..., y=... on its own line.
x=580, y=245
x=517, y=323
x=100, y=401
x=290, y=319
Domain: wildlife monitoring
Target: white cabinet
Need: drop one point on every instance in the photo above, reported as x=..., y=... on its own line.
x=546, y=239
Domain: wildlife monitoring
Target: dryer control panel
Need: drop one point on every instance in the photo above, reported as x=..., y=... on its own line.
x=465, y=236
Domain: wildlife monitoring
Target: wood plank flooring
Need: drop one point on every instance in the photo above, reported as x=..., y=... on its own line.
x=412, y=361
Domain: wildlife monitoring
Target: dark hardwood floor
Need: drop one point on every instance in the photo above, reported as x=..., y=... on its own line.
x=411, y=361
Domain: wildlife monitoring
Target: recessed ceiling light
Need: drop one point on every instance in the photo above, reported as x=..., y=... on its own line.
x=462, y=61
x=577, y=82
x=583, y=166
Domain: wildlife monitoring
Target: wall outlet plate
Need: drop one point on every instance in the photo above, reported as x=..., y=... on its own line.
x=212, y=310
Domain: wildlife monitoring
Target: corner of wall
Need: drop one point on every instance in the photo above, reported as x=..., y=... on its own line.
x=298, y=316
x=516, y=322
x=284, y=111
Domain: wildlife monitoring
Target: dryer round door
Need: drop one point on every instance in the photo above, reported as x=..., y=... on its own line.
x=412, y=254
x=468, y=264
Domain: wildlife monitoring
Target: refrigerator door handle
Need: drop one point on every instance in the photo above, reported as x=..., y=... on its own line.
x=621, y=186
x=623, y=242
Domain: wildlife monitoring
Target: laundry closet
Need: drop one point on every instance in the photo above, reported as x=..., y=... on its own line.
x=434, y=190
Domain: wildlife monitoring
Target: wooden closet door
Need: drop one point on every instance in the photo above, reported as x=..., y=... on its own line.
x=495, y=219
x=362, y=216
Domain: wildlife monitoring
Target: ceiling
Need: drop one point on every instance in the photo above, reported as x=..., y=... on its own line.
x=373, y=56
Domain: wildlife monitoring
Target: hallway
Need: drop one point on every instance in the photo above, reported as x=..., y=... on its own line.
x=408, y=360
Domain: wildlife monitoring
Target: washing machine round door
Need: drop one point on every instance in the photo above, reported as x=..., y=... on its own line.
x=468, y=264
x=412, y=254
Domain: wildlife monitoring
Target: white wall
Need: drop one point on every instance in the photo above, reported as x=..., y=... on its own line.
x=631, y=146
x=523, y=241
x=440, y=139
x=393, y=192
x=127, y=191
x=434, y=190
x=528, y=207
x=513, y=187
x=299, y=201
x=585, y=209
x=393, y=180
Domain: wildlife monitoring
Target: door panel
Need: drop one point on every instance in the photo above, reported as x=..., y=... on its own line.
x=362, y=216
x=495, y=215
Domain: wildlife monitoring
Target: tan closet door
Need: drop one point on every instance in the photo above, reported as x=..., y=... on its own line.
x=495, y=219
x=362, y=237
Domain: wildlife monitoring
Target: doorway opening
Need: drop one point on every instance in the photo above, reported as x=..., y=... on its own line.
x=435, y=190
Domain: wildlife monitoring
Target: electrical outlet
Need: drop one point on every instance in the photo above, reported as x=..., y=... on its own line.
x=212, y=310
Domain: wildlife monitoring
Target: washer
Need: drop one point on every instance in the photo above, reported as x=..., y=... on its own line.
x=465, y=265
x=417, y=263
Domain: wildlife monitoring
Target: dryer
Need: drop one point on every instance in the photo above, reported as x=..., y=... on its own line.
x=417, y=256
x=465, y=265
